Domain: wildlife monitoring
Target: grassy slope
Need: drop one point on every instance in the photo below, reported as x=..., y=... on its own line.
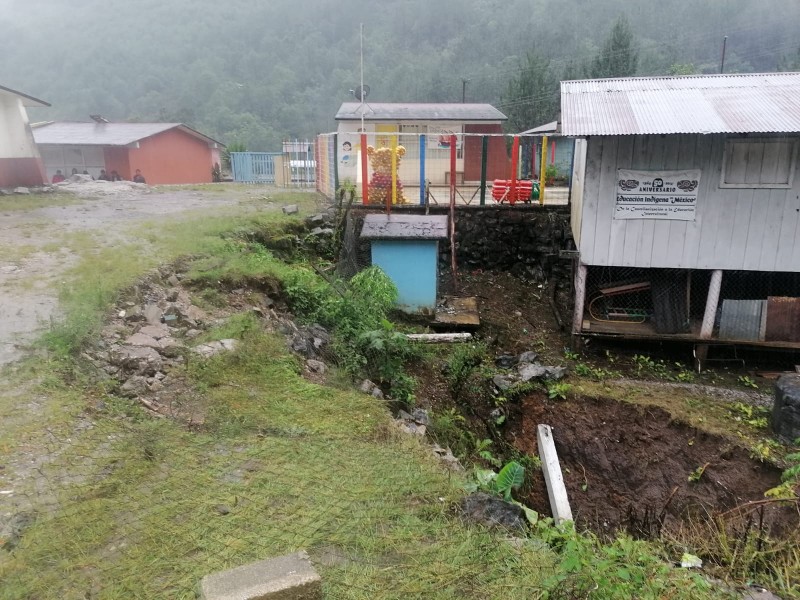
x=138, y=503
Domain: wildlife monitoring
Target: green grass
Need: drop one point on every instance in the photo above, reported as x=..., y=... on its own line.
x=135, y=504
x=22, y=202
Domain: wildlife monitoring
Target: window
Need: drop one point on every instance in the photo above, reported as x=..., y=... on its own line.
x=759, y=163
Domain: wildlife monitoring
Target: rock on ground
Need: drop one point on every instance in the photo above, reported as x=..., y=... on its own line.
x=492, y=511
x=786, y=409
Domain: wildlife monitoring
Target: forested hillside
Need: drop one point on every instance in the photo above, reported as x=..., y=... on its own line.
x=258, y=71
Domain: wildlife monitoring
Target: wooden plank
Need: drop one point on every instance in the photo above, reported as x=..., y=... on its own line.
x=731, y=235
x=556, y=491
x=785, y=259
x=658, y=253
x=623, y=251
x=439, y=338
x=663, y=254
x=605, y=201
x=758, y=200
x=699, y=247
x=591, y=193
x=775, y=201
x=685, y=158
x=642, y=160
x=769, y=164
x=755, y=158
x=457, y=313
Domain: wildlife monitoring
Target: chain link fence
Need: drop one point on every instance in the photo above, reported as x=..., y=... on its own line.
x=752, y=306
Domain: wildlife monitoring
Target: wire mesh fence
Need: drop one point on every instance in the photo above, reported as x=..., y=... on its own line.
x=742, y=306
x=485, y=167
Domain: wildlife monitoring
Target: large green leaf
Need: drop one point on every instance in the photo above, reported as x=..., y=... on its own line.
x=510, y=477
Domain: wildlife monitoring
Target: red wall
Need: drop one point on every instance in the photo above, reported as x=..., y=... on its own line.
x=116, y=159
x=25, y=172
x=169, y=157
x=498, y=165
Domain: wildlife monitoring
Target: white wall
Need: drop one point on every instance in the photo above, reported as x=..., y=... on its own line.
x=15, y=138
x=576, y=193
x=746, y=229
x=65, y=158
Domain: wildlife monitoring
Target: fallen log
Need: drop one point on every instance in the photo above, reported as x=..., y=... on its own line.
x=439, y=338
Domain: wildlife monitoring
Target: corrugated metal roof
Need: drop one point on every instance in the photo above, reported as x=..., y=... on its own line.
x=408, y=227
x=748, y=103
x=383, y=111
x=105, y=134
x=26, y=99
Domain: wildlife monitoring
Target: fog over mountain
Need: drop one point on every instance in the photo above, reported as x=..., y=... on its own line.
x=257, y=72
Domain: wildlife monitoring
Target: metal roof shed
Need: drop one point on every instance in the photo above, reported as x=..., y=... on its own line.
x=693, y=175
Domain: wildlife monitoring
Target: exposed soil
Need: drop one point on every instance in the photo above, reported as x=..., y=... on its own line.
x=622, y=461
x=624, y=465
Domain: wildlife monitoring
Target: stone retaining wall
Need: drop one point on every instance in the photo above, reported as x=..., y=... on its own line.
x=524, y=240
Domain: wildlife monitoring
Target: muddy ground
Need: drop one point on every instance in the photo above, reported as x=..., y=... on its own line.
x=626, y=465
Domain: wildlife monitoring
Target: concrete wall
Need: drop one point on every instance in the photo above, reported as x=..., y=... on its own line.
x=751, y=227
x=20, y=163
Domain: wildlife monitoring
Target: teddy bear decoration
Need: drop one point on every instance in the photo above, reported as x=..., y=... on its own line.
x=380, y=184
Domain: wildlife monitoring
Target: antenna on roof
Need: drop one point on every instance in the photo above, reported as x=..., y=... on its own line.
x=361, y=92
x=361, y=87
x=99, y=119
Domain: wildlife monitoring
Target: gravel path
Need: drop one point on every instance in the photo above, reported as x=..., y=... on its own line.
x=32, y=257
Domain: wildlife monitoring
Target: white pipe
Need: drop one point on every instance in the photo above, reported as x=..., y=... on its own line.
x=712, y=301
x=580, y=298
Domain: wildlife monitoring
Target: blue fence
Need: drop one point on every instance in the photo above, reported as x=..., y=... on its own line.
x=253, y=167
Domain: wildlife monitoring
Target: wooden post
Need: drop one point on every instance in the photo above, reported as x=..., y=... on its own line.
x=484, y=159
x=712, y=301
x=556, y=492
x=580, y=298
x=542, y=169
x=453, y=211
x=393, y=199
x=512, y=190
x=422, y=169
x=335, y=165
x=364, y=170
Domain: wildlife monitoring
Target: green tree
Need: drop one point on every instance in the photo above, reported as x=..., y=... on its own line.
x=790, y=63
x=619, y=55
x=532, y=97
x=678, y=69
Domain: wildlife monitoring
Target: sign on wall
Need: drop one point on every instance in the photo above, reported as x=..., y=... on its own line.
x=666, y=195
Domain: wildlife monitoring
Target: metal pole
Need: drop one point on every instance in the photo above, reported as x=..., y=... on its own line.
x=512, y=190
x=484, y=159
x=722, y=62
x=422, y=169
x=364, y=170
x=542, y=169
x=393, y=199
x=335, y=165
x=464, y=90
x=453, y=211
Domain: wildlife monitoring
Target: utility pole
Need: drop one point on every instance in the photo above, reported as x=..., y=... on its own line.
x=464, y=90
x=722, y=63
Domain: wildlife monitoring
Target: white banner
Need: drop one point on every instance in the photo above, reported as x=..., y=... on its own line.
x=670, y=195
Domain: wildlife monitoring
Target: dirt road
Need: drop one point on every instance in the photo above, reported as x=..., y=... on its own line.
x=37, y=246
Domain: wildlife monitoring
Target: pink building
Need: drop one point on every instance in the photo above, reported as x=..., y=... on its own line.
x=20, y=162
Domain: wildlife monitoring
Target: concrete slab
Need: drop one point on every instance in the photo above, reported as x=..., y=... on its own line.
x=290, y=577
